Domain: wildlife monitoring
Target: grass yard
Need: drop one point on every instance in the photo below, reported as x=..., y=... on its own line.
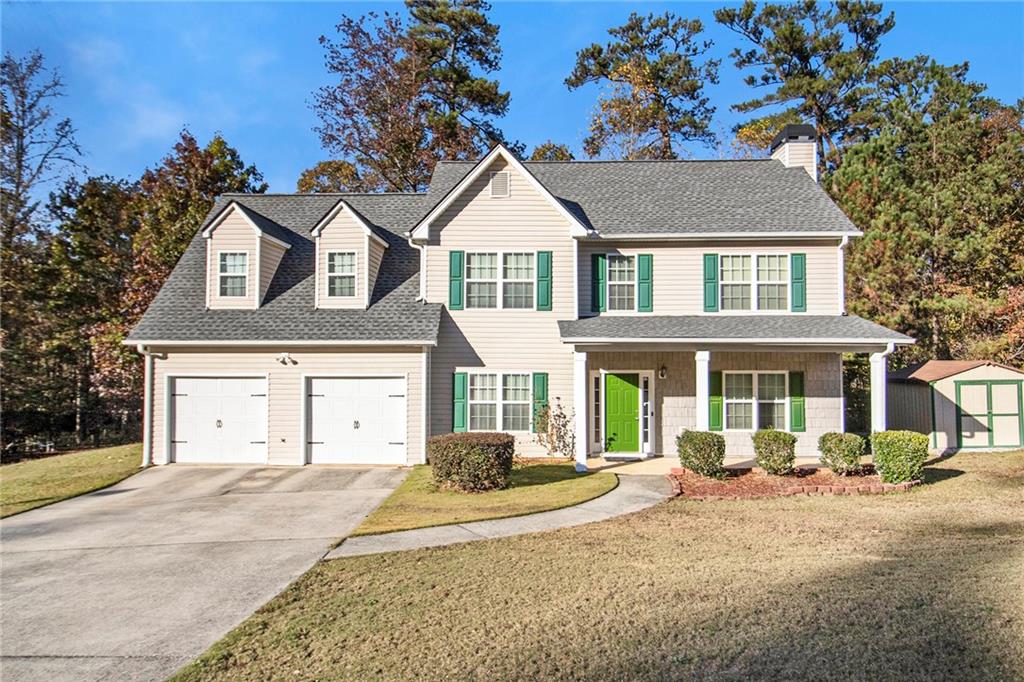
x=922, y=585
x=38, y=482
x=417, y=503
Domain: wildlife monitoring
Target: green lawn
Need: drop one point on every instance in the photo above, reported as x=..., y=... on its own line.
x=38, y=482
x=922, y=585
x=417, y=503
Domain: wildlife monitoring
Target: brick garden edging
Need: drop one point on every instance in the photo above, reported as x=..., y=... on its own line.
x=861, y=489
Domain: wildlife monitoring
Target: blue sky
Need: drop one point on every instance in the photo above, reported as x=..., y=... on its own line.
x=137, y=72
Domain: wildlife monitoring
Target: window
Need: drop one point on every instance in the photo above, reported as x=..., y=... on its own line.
x=341, y=273
x=510, y=273
x=500, y=402
x=621, y=283
x=755, y=283
x=233, y=273
x=481, y=280
x=735, y=282
x=772, y=282
x=517, y=272
x=754, y=398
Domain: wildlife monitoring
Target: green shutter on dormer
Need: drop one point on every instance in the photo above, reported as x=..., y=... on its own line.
x=715, y=401
x=543, y=280
x=598, y=273
x=797, y=410
x=460, y=387
x=711, y=282
x=540, y=395
x=798, y=281
x=456, y=277
x=645, y=283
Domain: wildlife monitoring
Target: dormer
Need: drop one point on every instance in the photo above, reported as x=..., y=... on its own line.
x=348, y=255
x=242, y=255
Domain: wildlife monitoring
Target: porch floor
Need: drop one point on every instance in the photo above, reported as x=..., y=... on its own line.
x=664, y=464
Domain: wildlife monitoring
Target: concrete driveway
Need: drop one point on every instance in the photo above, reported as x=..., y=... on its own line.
x=133, y=581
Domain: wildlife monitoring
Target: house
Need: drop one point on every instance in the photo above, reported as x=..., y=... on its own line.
x=959, y=404
x=647, y=297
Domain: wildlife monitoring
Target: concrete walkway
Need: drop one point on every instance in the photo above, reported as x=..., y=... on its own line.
x=633, y=493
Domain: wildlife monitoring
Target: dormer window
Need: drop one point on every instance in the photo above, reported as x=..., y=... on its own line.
x=233, y=273
x=341, y=273
x=500, y=185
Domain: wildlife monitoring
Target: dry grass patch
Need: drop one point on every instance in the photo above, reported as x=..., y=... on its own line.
x=919, y=586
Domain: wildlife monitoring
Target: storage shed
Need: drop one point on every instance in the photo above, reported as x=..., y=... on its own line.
x=960, y=404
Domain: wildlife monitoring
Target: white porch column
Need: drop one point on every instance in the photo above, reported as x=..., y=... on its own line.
x=703, y=363
x=580, y=411
x=879, y=362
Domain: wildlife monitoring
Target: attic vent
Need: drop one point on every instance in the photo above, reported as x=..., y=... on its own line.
x=499, y=185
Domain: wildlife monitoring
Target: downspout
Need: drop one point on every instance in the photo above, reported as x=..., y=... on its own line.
x=147, y=408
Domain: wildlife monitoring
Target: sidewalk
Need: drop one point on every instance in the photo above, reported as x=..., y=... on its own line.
x=633, y=493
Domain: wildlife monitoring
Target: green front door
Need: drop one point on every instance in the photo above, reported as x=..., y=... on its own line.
x=622, y=412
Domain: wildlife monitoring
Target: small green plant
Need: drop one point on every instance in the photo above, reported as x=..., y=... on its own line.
x=702, y=452
x=472, y=462
x=899, y=456
x=555, y=430
x=775, y=451
x=841, y=452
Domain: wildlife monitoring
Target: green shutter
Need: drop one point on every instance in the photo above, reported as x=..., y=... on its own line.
x=543, y=280
x=645, y=283
x=598, y=272
x=715, y=402
x=797, y=413
x=460, y=411
x=540, y=395
x=711, y=282
x=456, y=268
x=798, y=284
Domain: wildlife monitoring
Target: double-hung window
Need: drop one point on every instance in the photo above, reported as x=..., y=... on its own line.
x=622, y=283
x=341, y=273
x=773, y=282
x=755, y=282
x=754, y=398
x=233, y=273
x=499, y=402
x=500, y=280
x=517, y=276
x=736, y=283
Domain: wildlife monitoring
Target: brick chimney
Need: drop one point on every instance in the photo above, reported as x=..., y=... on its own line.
x=796, y=147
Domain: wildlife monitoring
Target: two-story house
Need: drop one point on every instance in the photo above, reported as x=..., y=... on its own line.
x=647, y=297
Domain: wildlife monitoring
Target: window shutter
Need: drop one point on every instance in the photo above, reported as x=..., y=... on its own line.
x=797, y=412
x=798, y=283
x=715, y=402
x=711, y=282
x=460, y=411
x=598, y=272
x=645, y=283
x=543, y=280
x=540, y=395
x=456, y=274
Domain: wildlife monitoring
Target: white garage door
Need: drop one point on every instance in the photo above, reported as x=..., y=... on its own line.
x=356, y=420
x=219, y=420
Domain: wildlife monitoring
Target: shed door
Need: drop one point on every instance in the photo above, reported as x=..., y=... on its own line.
x=219, y=420
x=989, y=414
x=357, y=420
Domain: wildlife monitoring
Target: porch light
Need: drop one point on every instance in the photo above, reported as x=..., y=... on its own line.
x=662, y=372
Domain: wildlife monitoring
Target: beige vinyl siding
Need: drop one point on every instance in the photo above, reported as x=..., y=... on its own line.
x=500, y=340
x=343, y=233
x=271, y=254
x=679, y=272
x=285, y=394
x=797, y=155
x=233, y=234
x=376, y=255
x=945, y=402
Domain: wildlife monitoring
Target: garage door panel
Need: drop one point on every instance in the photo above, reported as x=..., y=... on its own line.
x=357, y=420
x=1006, y=431
x=219, y=420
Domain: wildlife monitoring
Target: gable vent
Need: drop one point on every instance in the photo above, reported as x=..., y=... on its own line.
x=500, y=185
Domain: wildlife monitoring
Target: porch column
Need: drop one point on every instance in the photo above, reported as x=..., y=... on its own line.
x=580, y=411
x=879, y=362
x=703, y=362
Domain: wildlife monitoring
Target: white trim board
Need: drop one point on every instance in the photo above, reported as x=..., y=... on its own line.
x=327, y=343
x=225, y=212
x=342, y=205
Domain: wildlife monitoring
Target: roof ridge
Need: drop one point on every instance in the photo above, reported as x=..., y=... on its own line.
x=321, y=194
x=626, y=161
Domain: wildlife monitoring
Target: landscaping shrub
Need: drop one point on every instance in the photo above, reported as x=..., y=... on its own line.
x=471, y=462
x=702, y=452
x=899, y=455
x=841, y=452
x=775, y=451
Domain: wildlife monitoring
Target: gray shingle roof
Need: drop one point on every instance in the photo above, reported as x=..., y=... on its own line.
x=179, y=311
x=731, y=327
x=678, y=197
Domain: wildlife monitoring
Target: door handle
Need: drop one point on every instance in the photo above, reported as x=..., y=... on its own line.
x=219, y=423
x=355, y=424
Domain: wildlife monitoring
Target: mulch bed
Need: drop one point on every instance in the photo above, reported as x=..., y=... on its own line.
x=753, y=483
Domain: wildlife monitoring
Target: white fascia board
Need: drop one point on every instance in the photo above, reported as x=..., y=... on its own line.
x=208, y=231
x=782, y=236
x=402, y=342
x=422, y=230
x=342, y=205
x=771, y=341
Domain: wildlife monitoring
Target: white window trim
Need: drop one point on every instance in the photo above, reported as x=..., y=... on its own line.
x=508, y=185
x=499, y=401
x=328, y=274
x=608, y=283
x=646, y=446
x=753, y=283
x=755, y=415
x=221, y=275
x=500, y=281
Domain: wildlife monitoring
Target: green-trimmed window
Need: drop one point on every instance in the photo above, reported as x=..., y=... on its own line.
x=621, y=282
x=754, y=282
x=517, y=280
x=500, y=401
x=755, y=400
x=501, y=280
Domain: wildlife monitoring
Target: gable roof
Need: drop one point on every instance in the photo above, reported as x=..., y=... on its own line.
x=178, y=314
x=260, y=225
x=342, y=205
x=934, y=370
x=652, y=199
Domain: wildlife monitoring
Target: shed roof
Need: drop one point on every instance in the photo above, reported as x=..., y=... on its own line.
x=934, y=370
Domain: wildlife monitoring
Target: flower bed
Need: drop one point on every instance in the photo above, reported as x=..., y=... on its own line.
x=753, y=483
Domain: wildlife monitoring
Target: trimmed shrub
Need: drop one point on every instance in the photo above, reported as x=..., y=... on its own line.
x=702, y=452
x=841, y=452
x=775, y=451
x=472, y=462
x=899, y=456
